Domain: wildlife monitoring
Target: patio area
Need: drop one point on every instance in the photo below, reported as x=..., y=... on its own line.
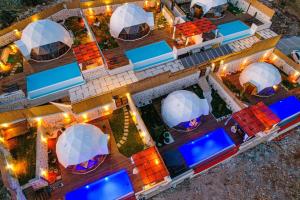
x=232, y=82
x=116, y=57
x=114, y=162
x=168, y=139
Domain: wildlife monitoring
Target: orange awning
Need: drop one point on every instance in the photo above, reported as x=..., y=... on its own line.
x=196, y=27
x=150, y=166
x=255, y=119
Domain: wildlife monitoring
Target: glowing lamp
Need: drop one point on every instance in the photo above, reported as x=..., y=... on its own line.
x=5, y=125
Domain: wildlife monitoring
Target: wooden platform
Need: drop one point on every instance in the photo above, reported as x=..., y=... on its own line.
x=113, y=163
x=281, y=93
x=116, y=57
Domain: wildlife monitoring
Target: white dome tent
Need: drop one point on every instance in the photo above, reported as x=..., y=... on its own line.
x=44, y=40
x=263, y=76
x=130, y=22
x=207, y=5
x=181, y=107
x=80, y=143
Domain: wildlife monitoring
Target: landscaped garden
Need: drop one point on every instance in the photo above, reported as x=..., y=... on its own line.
x=219, y=106
x=77, y=26
x=287, y=83
x=11, y=61
x=23, y=151
x=234, y=9
x=132, y=142
x=100, y=28
x=154, y=123
x=238, y=93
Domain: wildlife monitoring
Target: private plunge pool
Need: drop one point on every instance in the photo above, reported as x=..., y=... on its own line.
x=233, y=31
x=150, y=55
x=206, y=147
x=112, y=187
x=286, y=108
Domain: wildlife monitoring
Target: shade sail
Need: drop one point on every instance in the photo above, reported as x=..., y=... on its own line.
x=183, y=106
x=80, y=143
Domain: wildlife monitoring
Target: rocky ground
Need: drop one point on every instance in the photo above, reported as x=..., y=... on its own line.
x=269, y=171
x=286, y=20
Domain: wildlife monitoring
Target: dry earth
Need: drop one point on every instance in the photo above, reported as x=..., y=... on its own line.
x=269, y=171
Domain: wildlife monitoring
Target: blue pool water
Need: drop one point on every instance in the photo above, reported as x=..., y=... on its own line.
x=44, y=83
x=115, y=186
x=148, y=51
x=232, y=27
x=205, y=147
x=52, y=76
x=286, y=107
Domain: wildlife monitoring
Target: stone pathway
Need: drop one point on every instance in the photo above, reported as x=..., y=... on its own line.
x=126, y=127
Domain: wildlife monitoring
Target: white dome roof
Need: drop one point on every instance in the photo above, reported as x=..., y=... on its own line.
x=262, y=75
x=182, y=106
x=129, y=15
x=207, y=4
x=42, y=32
x=80, y=143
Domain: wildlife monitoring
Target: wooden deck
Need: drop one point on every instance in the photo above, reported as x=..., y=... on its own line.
x=209, y=123
x=116, y=57
x=113, y=163
x=280, y=94
x=228, y=17
x=69, y=57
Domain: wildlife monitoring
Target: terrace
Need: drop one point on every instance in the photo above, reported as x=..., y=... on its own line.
x=283, y=90
x=114, y=162
x=168, y=139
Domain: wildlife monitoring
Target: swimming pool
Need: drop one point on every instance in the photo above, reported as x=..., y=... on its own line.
x=115, y=186
x=286, y=107
x=234, y=30
x=53, y=80
x=206, y=147
x=150, y=55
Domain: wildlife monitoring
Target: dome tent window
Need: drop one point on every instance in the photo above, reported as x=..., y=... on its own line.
x=44, y=40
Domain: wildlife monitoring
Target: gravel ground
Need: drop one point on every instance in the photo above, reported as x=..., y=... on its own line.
x=285, y=21
x=268, y=171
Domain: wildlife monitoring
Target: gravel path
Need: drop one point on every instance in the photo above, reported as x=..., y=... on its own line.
x=269, y=171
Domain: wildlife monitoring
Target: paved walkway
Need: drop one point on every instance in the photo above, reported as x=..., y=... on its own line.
x=126, y=127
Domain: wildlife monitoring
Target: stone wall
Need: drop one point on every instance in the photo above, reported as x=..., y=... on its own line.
x=239, y=64
x=145, y=97
x=64, y=14
x=140, y=123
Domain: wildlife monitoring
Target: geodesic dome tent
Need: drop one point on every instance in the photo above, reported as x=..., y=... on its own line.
x=80, y=143
x=44, y=40
x=206, y=5
x=130, y=22
x=263, y=76
x=183, y=109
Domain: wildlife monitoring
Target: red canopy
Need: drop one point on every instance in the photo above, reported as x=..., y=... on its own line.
x=255, y=119
x=87, y=53
x=150, y=166
x=196, y=27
